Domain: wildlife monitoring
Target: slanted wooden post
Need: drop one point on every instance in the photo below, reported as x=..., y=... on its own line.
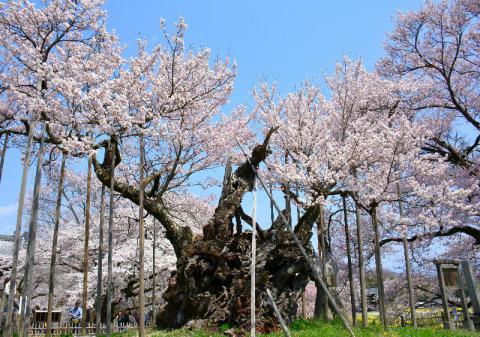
x=141, y=253
x=467, y=321
x=253, y=262
x=272, y=215
x=4, y=152
x=86, y=238
x=110, y=241
x=98, y=321
x=316, y=275
x=408, y=268
x=3, y=301
x=448, y=322
x=53, y=258
x=349, y=260
x=278, y=314
x=18, y=229
x=32, y=237
x=471, y=282
x=378, y=268
x=361, y=266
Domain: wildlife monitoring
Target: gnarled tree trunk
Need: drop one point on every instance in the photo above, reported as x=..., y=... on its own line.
x=212, y=277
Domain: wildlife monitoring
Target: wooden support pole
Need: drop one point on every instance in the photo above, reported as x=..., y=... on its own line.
x=4, y=152
x=272, y=215
x=32, y=237
x=303, y=299
x=408, y=268
x=98, y=320
x=467, y=321
x=18, y=228
x=300, y=247
x=321, y=298
x=154, y=272
x=86, y=239
x=3, y=300
x=379, y=269
x=278, y=314
x=53, y=258
x=110, y=242
x=288, y=204
x=349, y=261
x=141, y=252
x=253, y=263
x=471, y=282
x=361, y=266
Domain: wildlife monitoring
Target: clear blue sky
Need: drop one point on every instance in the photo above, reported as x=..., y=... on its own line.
x=283, y=41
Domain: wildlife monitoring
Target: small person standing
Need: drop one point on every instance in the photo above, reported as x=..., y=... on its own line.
x=76, y=316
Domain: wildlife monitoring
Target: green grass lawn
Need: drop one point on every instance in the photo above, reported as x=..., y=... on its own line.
x=311, y=328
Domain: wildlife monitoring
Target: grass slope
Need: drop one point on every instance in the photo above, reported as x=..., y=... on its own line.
x=315, y=328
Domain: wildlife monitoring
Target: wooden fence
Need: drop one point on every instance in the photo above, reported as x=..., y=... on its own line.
x=39, y=328
x=429, y=319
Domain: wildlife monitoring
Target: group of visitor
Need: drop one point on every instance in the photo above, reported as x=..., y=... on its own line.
x=122, y=320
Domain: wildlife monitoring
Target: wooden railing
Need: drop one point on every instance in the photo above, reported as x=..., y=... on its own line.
x=39, y=328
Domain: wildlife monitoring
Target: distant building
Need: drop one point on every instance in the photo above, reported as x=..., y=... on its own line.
x=7, y=241
x=6, y=244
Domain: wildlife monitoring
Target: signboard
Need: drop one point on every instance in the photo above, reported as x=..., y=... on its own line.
x=450, y=276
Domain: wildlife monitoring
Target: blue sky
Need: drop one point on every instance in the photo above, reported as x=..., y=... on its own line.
x=282, y=41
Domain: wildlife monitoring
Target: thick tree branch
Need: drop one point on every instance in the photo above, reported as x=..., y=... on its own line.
x=180, y=237
x=473, y=232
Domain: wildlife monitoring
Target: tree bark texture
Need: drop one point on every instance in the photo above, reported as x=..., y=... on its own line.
x=212, y=278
